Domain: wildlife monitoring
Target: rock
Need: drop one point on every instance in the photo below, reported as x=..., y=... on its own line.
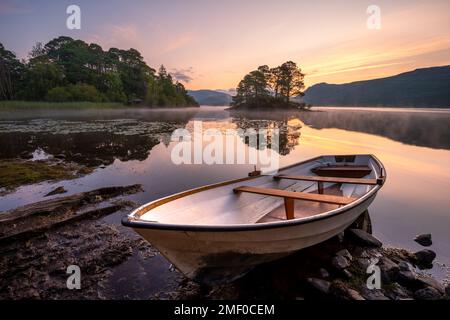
x=447, y=290
x=60, y=156
x=405, y=266
x=363, y=238
x=373, y=294
x=389, y=269
x=363, y=263
x=341, y=291
x=58, y=190
x=345, y=253
x=427, y=294
x=340, y=263
x=397, y=292
x=320, y=286
x=413, y=280
x=407, y=278
x=347, y=274
x=427, y=281
x=424, y=240
x=323, y=273
x=425, y=258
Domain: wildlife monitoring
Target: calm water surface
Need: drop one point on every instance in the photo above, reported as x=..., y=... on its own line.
x=134, y=146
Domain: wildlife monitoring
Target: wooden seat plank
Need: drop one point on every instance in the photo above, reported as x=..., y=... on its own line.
x=296, y=195
x=330, y=179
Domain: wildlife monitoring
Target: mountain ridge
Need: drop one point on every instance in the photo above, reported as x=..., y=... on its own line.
x=211, y=97
x=423, y=87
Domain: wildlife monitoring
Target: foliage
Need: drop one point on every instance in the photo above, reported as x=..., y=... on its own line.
x=30, y=105
x=11, y=70
x=270, y=88
x=65, y=69
x=73, y=93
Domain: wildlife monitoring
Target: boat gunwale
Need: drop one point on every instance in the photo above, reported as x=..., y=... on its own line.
x=135, y=222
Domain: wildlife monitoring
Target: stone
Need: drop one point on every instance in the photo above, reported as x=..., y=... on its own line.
x=345, y=253
x=425, y=257
x=373, y=294
x=389, y=269
x=340, y=263
x=346, y=274
x=320, y=286
x=397, y=292
x=427, y=294
x=405, y=266
x=324, y=273
x=363, y=263
x=58, y=190
x=447, y=290
x=341, y=291
x=363, y=238
x=407, y=278
x=427, y=281
x=424, y=240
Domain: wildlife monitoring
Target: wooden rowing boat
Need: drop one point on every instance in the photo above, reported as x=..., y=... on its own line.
x=217, y=233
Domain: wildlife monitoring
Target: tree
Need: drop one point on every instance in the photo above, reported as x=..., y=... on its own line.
x=40, y=76
x=66, y=69
x=290, y=80
x=11, y=70
x=254, y=87
x=266, y=87
x=274, y=80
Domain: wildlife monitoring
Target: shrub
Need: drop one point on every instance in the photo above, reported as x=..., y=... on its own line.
x=75, y=93
x=59, y=94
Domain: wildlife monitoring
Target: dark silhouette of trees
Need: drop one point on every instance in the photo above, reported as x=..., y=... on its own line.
x=66, y=69
x=11, y=70
x=270, y=87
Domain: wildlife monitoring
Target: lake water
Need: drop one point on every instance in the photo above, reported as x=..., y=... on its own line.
x=134, y=146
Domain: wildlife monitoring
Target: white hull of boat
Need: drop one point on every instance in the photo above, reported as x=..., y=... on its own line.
x=218, y=253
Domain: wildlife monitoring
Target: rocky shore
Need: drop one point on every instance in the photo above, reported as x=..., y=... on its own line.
x=39, y=241
x=342, y=268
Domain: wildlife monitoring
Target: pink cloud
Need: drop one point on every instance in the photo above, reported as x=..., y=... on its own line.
x=177, y=43
x=121, y=36
x=7, y=7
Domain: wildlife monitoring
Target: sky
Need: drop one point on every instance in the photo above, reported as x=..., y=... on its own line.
x=212, y=44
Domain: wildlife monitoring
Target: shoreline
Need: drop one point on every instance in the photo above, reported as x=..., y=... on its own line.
x=43, y=105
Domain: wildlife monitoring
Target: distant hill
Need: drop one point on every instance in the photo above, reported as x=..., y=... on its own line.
x=210, y=97
x=426, y=88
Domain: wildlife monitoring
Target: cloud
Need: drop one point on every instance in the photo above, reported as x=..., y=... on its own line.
x=183, y=75
x=8, y=7
x=122, y=36
x=178, y=43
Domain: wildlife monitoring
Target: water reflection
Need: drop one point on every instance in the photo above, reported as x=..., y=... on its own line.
x=421, y=129
x=91, y=149
x=288, y=132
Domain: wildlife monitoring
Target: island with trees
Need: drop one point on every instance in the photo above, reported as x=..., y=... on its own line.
x=271, y=88
x=65, y=71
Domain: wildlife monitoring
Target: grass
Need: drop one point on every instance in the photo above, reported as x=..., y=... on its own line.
x=15, y=173
x=30, y=105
